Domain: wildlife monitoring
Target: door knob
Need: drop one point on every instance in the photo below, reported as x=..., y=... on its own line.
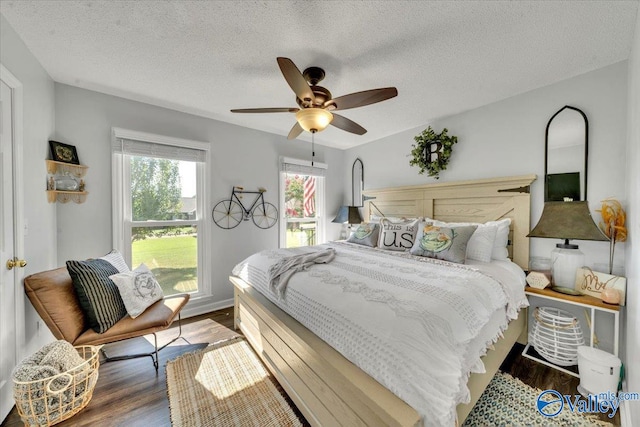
x=15, y=263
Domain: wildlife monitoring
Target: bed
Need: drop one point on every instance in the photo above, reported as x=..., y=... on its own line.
x=325, y=385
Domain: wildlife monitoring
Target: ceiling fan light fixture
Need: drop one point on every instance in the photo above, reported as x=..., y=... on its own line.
x=314, y=119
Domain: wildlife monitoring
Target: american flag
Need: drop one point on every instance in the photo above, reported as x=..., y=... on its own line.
x=309, y=196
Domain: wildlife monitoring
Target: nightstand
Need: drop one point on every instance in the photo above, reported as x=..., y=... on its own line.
x=586, y=301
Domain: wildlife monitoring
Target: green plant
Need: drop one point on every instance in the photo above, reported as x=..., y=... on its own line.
x=432, y=151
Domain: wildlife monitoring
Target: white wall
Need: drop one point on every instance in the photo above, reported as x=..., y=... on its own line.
x=633, y=225
x=241, y=156
x=40, y=216
x=506, y=138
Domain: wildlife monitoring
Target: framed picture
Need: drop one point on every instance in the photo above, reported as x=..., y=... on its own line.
x=63, y=152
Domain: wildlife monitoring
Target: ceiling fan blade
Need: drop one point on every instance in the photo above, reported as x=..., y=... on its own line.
x=295, y=131
x=359, y=99
x=296, y=80
x=348, y=125
x=266, y=110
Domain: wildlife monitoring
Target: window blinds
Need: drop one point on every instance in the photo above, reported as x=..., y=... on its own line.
x=151, y=149
x=302, y=167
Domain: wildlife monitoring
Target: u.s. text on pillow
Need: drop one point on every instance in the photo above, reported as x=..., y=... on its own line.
x=397, y=236
x=139, y=289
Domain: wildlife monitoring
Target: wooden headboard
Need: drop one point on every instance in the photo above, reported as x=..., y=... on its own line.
x=463, y=201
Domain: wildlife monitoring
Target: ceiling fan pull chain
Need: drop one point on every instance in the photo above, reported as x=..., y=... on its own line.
x=313, y=147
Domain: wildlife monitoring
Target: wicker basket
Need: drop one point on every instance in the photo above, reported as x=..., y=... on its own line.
x=40, y=405
x=556, y=335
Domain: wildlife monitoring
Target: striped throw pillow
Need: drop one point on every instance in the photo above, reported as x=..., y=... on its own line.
x=98, y=295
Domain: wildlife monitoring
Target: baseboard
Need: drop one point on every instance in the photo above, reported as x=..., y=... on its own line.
x=204, y=305
x=625, y=411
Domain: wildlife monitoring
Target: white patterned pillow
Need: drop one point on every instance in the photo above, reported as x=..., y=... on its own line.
x=138, y=289
x=445, y=243
x=397, y=236
x=481, y=244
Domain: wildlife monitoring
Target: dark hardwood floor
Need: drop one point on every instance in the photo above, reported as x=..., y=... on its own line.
x=130, y=393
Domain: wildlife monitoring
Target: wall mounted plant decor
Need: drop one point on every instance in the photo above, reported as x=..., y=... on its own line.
x=432, y=151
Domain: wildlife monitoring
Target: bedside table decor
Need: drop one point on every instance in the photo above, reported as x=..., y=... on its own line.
x=566, y=291
x=556, y=335
x=566, y=220
x=605, y=286
x=538, y=280
x=613, y=219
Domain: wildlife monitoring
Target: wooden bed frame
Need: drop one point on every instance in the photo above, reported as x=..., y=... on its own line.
x=327, y=388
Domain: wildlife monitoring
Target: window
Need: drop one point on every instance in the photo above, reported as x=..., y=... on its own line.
x=158, y=205
x=301, y=203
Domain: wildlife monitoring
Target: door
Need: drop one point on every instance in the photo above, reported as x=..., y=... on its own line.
x=9, y=276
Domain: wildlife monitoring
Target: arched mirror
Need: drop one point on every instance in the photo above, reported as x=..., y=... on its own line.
x=357, y=182
x=566, y=151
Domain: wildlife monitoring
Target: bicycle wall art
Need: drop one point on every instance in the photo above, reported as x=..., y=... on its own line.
x=231, y=212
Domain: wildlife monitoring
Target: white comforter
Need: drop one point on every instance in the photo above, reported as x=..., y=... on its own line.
x=409, y=322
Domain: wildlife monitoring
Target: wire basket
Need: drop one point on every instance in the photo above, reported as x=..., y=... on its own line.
x=556, y=335
x=54, y=399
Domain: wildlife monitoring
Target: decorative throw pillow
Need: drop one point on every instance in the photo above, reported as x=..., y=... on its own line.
x=480, y=246
x=98, y=295
x=115, y=258
x=138, y=289
x=366, y=234
x=397, y=236
x=446, y=243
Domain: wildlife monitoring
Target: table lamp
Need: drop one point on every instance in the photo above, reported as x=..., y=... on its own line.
x=566, y=220
x=348, y=214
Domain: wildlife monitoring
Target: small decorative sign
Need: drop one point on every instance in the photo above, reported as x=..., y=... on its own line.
x=594, y=283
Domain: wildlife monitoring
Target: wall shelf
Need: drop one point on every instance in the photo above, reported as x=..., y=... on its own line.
x=66, y=196
x=62, y=168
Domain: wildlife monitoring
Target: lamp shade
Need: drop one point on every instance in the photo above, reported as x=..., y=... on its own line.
x=314, y=119
x=348, y=214
x=567, y=220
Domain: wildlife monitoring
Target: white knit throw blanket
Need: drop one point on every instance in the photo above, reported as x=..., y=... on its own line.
x=281, y=271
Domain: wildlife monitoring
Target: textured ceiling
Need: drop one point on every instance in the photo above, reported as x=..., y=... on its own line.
x=206, y=57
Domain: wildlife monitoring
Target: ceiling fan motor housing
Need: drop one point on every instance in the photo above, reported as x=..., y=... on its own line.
x=321, y=95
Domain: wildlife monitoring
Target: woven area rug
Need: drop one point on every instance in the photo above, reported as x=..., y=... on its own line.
x=225, y=384
x=507, y=401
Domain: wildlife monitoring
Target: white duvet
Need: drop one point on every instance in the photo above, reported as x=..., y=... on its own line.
x=416, y=325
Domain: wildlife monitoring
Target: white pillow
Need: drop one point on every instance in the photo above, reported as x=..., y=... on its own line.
x=115, y=258
x=397, y=236
x=481, y=243
x=500, y=251
x=138, y=289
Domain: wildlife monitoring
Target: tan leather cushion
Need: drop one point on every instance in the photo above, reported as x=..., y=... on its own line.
x=52, y=295
x=157, y=317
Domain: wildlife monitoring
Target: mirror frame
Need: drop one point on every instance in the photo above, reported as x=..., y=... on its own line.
x=359, y=180
x=546, y=150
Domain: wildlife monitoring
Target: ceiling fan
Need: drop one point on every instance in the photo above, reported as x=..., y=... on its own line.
x=316, y=103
